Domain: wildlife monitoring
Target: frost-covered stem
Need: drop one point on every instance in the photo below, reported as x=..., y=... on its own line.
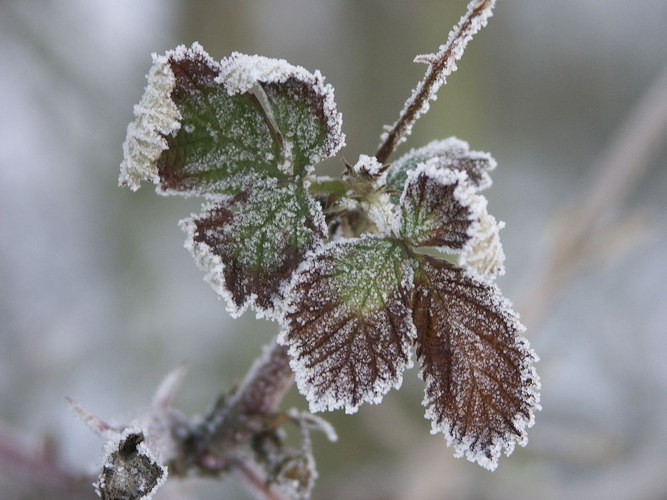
x=266, y=382
x=615, y=172
x=440, y=65
x=327, y=185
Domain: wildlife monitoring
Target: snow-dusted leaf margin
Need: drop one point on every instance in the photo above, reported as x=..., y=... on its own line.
x=249, y=245
x=203, y=127
x=482, y=389
x=348, y=324
x=452, y=153
x=441, y=207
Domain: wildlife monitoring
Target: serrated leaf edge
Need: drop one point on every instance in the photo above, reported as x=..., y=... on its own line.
x=531, y=390
x=380, y=387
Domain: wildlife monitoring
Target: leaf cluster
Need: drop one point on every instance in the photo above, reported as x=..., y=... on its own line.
x=358, y=270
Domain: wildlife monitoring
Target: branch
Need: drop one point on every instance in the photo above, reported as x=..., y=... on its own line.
x=266, y=382
x=440, y=66
x=615, y=173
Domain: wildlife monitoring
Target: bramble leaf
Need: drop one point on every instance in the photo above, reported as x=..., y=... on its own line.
x=300, y=104
x=249, y=245
x=451, y=153
x=348, y=324
x=437, y=207
x=440, y=207
x=204, y=127
x=481, y=386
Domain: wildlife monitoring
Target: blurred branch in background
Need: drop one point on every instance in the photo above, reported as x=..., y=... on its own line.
x=615, y=173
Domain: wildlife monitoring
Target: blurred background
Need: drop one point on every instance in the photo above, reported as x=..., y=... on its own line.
x=99, y=300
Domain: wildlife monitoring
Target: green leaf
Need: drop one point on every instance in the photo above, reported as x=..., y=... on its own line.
x=204, y=127
x=451, y=153
x=300, y=104
x=348, y=324
x=250, y=245
x=481, y=387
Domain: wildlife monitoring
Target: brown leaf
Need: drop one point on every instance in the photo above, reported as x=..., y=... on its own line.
x=481, y=386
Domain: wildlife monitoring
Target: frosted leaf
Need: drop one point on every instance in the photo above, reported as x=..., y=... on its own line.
x=348, y=324
x=226, y=142
x=129, y=469
x=249, y=245
x=481, y=387
x=439, y=207
x=198, y=133
x=301, y=104
x=450, y=153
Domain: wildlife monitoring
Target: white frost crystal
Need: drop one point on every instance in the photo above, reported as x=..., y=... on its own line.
x=483, y=254
x=156, y=117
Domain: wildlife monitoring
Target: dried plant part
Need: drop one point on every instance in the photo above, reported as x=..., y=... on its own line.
x=348, y=324
x=130, y=469
x=481, y=387
x=249, y=245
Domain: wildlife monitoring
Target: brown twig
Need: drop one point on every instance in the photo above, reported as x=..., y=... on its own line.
x=440, y=66
x=615, y=173
x=266, y=382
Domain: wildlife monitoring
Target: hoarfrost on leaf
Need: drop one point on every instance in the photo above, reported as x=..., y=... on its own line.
x=438, y=207
x=483, y=253
x=302, y=105
x=441, y=207
x=249, y=245
x=348, y=325
x=481, y=386
x=451, y=153
x=201, y=128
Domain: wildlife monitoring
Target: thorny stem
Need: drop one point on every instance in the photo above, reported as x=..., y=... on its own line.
x=440, y=65
x=615, y=172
